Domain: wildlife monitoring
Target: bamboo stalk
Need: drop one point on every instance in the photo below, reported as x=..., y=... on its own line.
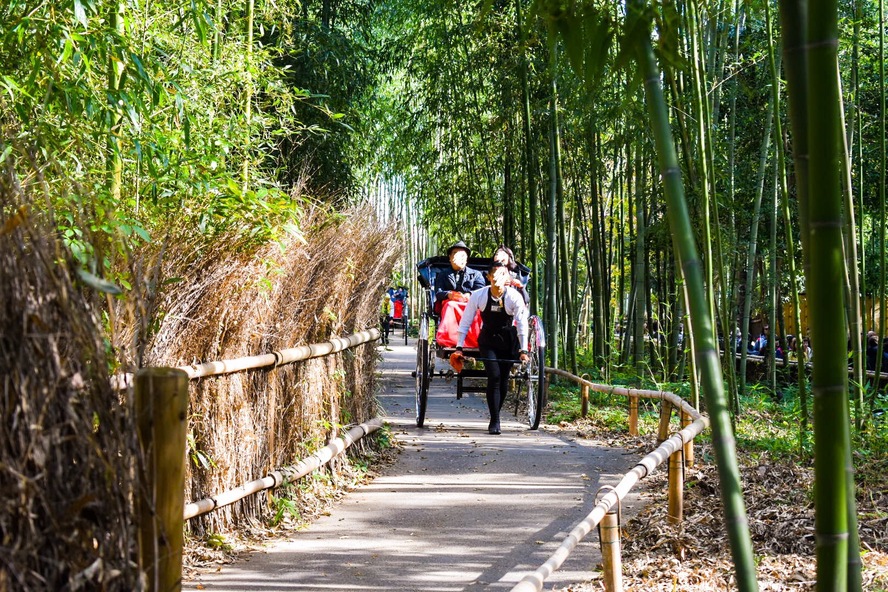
x=689, y=445
x=665, y=416
x=161, y=412
x=681, y=231
x=793, y=15
x=832, y=499
x=584, y=405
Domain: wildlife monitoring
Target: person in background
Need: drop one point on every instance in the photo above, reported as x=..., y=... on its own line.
x=760, y=345
x=399, y=303
x=503, y=336
x=791, y=354
x=504, y=255
x=460, y=281
x=884, y=355
x=872, y=350
x=385, y=316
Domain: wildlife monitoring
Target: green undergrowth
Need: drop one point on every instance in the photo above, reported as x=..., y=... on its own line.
x=764, y=427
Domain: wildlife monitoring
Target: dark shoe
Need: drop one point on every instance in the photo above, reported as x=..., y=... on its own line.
x=493, y=429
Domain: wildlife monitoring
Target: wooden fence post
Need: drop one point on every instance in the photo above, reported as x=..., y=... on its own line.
x=584, y=396
x=633, y=415
x=689, y=445
x=665, y=415
x=676, y=487
x=609, y=537
x=161, y=415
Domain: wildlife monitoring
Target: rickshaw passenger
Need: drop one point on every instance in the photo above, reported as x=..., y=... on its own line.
x=399, y=302
x=504, y=255
x=460, y=281
x=503, y=336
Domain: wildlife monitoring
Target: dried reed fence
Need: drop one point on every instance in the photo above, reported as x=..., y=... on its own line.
x=234, y=302
x=605, y=514
x=67, y=442
x=68, y=448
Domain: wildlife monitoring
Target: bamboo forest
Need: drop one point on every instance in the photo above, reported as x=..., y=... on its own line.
x=695, y=191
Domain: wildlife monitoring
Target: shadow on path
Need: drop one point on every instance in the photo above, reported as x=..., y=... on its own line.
x=459, y=510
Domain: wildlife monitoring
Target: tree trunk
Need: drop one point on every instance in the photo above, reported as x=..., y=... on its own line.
x=552, y=336
x=529, y=166
x=115, y=74
x=753, y=244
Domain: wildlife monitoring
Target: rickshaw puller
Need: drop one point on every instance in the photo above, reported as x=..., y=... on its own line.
x=503, y=335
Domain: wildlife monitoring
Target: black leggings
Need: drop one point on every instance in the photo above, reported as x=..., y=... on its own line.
x=497, y=381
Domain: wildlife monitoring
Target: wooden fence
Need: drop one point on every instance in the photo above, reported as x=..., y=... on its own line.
x=161, y=396
x=677, y=449
x=162, y=400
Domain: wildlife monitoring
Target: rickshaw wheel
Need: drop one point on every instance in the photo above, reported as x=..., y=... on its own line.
x=423, y=371
x=535, y=381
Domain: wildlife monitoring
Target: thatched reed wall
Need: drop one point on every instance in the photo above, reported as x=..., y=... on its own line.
x=66, y=439
x=234, y=302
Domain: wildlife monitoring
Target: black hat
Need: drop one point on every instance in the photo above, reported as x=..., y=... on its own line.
x=459, y=245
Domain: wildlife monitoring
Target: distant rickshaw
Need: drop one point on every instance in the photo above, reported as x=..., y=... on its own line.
x=400, y=311
x=436, y=342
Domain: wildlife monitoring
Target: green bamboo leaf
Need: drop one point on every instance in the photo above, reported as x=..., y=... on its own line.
x=80, y=13
x=98, y=283
x=67, y=52
x=187, y=129
x=233, y=187
x=142, y=233
x=140, y=70
x=199, y=23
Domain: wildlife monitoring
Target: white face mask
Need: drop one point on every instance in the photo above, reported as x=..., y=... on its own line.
x=459, y=258
x=500, y=277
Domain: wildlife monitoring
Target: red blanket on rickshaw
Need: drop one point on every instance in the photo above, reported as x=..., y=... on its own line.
x=448, y=326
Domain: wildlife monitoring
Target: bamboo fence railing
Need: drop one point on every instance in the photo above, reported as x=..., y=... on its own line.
x=161, y=396
x=163, y=393
x=605, y=513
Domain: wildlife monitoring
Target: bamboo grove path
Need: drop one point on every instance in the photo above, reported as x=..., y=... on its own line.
x=459, y=510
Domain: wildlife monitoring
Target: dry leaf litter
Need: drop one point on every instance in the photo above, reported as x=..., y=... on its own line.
x=694, y=555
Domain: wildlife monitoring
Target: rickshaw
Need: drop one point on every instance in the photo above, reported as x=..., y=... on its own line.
x=400, y=312
x=529, y=377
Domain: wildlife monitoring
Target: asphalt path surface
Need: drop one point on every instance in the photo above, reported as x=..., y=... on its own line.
x=459, y=510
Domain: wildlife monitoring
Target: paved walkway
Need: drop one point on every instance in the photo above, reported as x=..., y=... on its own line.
x=460, y=510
